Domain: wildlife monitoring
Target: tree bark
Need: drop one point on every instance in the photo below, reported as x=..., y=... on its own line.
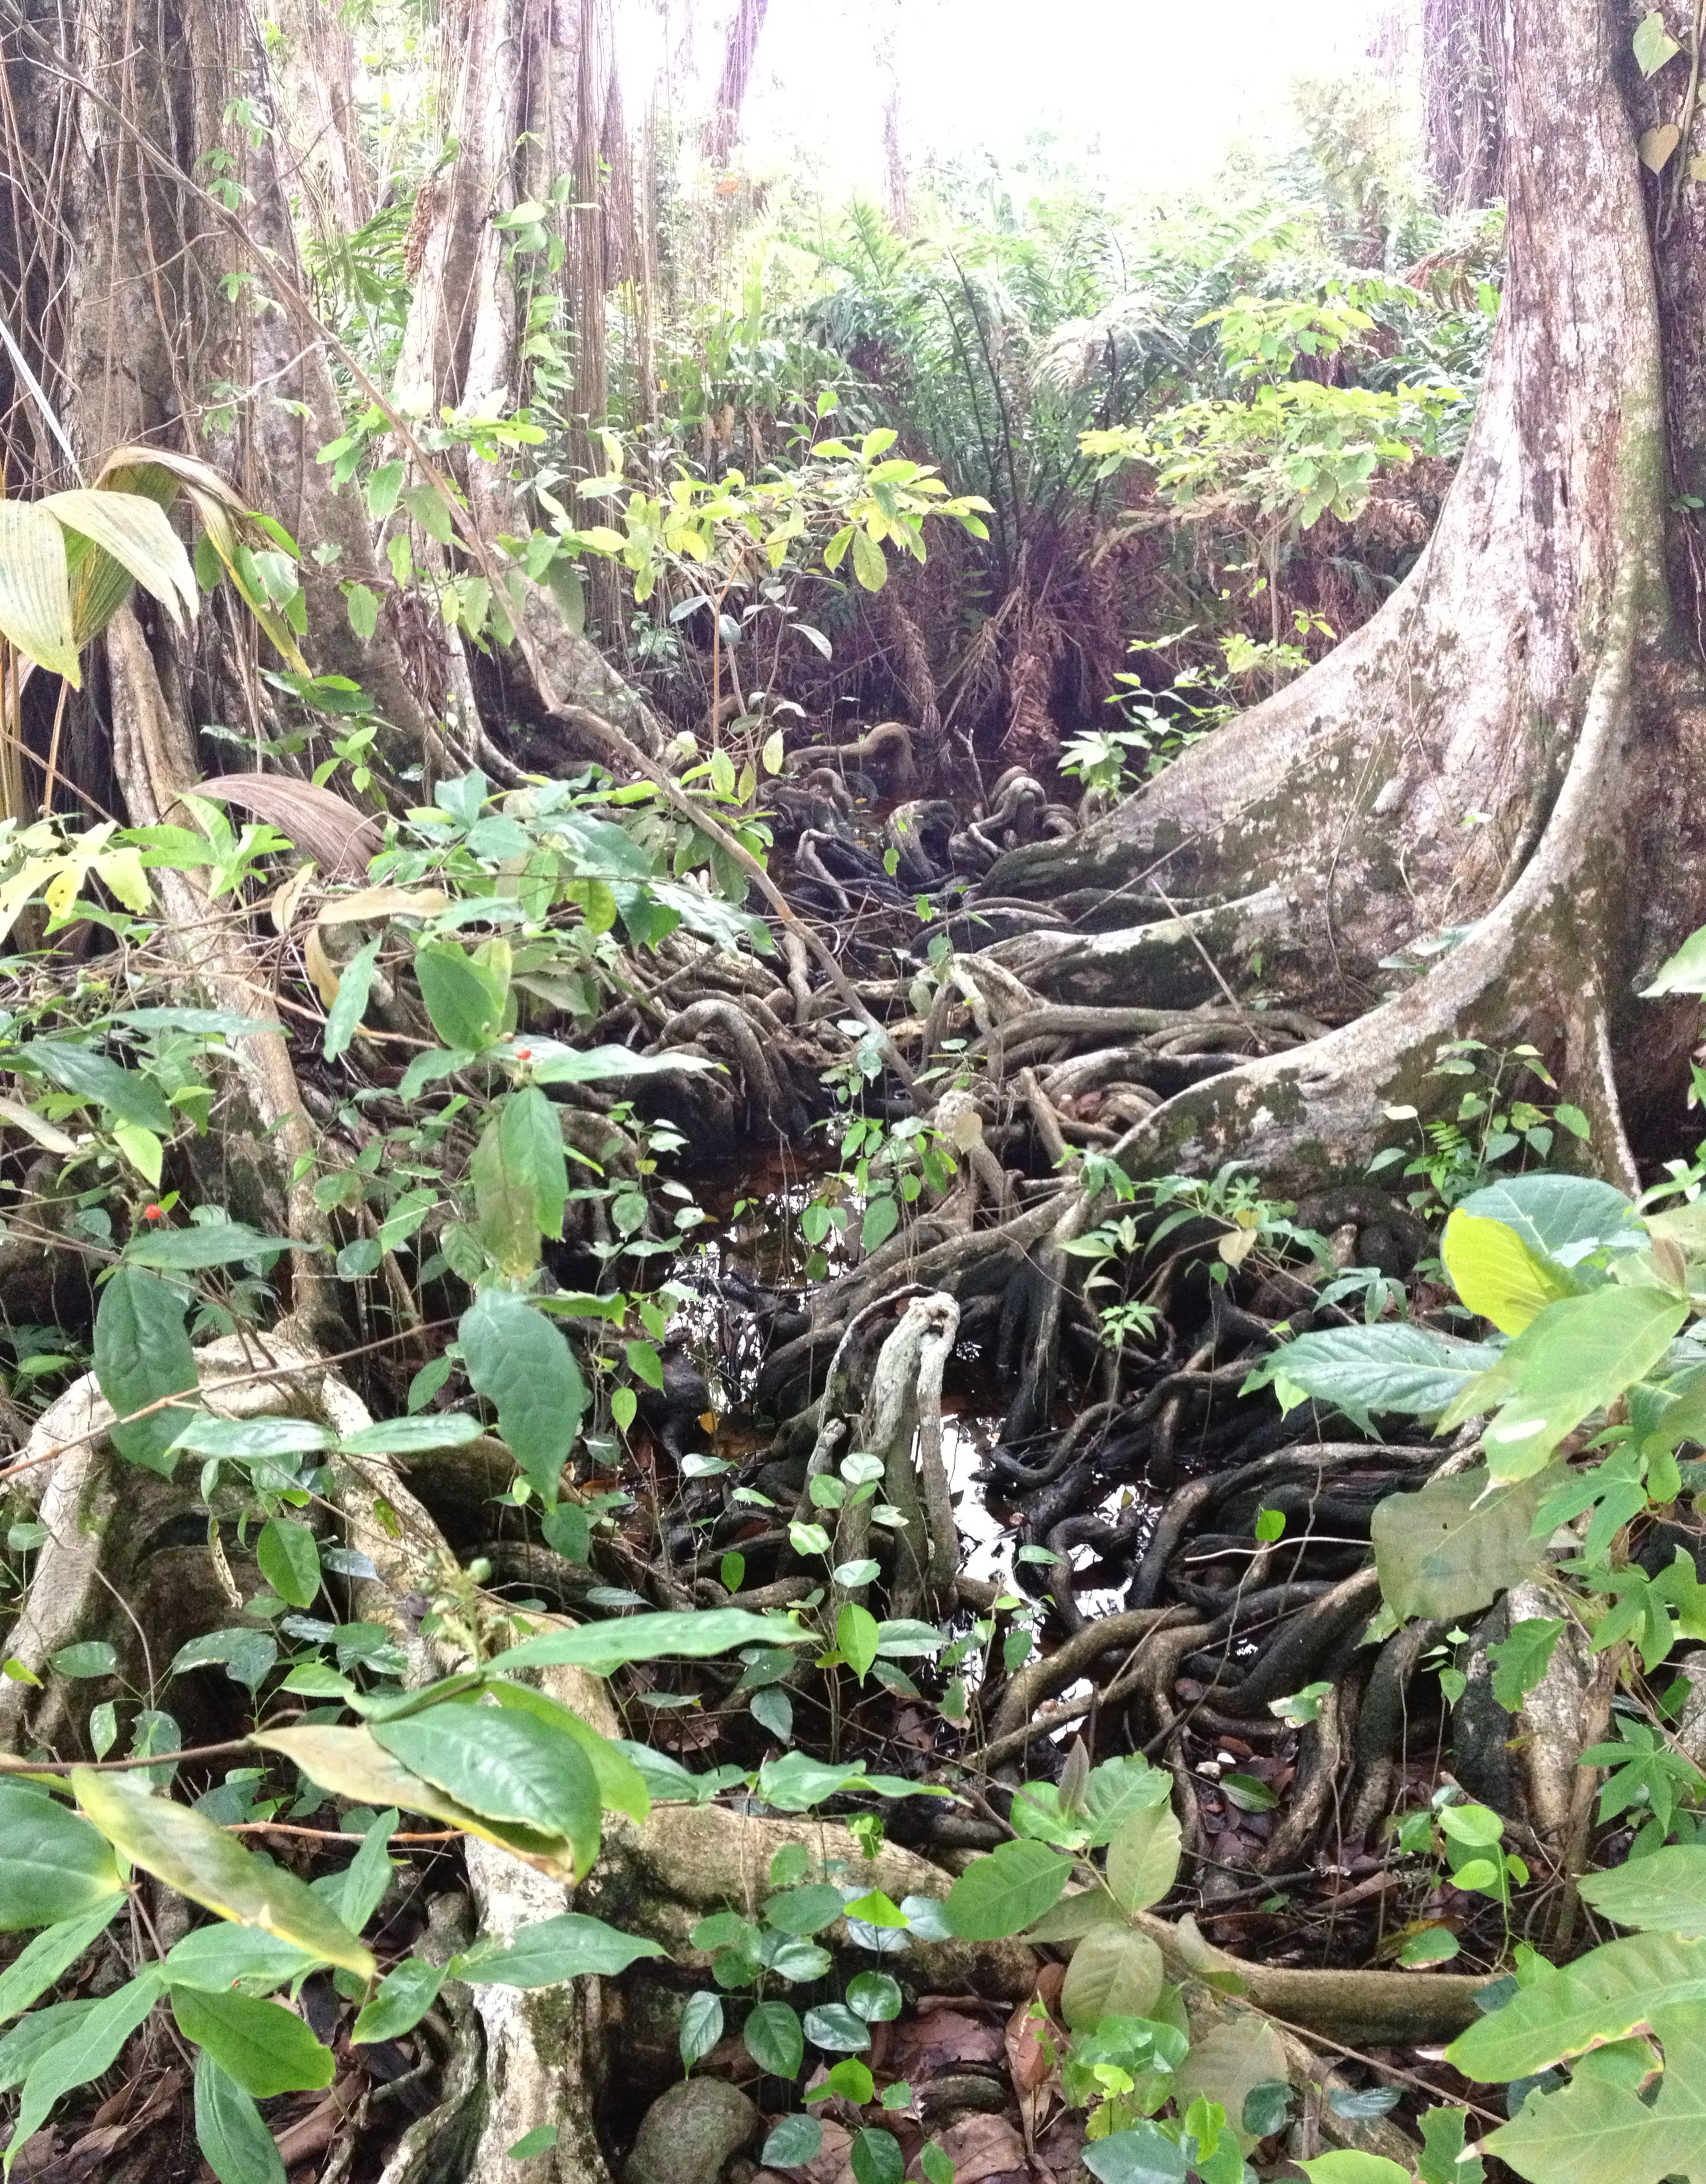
x=1515, y=737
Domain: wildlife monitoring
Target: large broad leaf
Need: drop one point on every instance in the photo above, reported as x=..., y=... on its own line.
x=504, y=1765
x=1497, y=1274
x=1598, y=2129
x=1684, y=972
x=1602, y=1997
x=34, y=590
x=46, y=1960
x=215, y=1957
x=552, y=1064
x=218, y=1243
x=1664, y=1892
x=89, y=2050
x=267, y=2048
x=190, y=1853
x=235, y=2143
x=517, y=1358
x=1559, y=1217
x=622, y=1786
x=124, y=1094
x=1455, y=1545
x=1006, y=1892
x=553, y=1950
x=1113, y=1973
x=1576, y=1357
x=349, y=1764
x=690, y=1634
x=506, y=1197
x=33, y=2035
x=1143, y=1858
x=1227, y=2064
x=142, y=1353
x=53, y=1866
x=1413, y=1371
x=464, y=998
x=133, y=531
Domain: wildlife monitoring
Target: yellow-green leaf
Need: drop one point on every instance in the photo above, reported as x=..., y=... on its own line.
x=34, y=590
x=200, y=1860
x=1497, y=1274
x=135, y=531
x=350, y=1763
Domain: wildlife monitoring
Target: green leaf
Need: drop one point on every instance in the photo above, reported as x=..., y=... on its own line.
x=404, y=1996
x=34, y=2035
x=1605, y=1996
x=1412, y=1371
x=1664, y=1892
x=701, y=2026
x=350, y=1003
x=235, y=2143
x=43, y=1962
x=857, y=1636
x=1521, y=1658
x=552, y=1950
x=1349, y=2165
x=1143, y=1859
x=774, y=2040
x=837, y=2028
x=368, y=1875
x=869, y=565
x=246, y=1655
x=622, y=1786
x=349, y=1764
x=1113, y=1973
x=56, y=1867
x=1141, y=2155
x=124, y=1094
x=1006, y=1892
x=876, y=2157
x=1560, y=1217
x=515, y=1356
x=850, y=2080
x=505, y=1216
x=289, y=1558
x=505, y=1764
x=1598, y=2129
x=803, y=1911
x=1653, y=47
x=875, y=1997
x=243, y=1437
x=216, y=1244
x=415, y=1436
x=93, y=1657
x=217, y=1957
x=464, y=998
x=1226, y=2064
x=1576, y=1357
x=533, y=1149
x=266, y=2049
x=690, y=1634
x=1497, y=1274
x=795, y=2140
x=1455, y=1545
x=35, y=594
x=88, y=2051
x=142, y=1353
x=190, y=1853
x=1444, y=2160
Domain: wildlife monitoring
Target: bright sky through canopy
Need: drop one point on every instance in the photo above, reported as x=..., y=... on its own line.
x=1153, y=94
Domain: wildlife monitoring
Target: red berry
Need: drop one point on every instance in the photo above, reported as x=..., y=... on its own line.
x=153, y=1213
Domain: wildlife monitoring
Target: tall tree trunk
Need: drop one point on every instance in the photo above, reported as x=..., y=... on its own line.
x=1510, y=755
x=739, y=51
x=532, y=101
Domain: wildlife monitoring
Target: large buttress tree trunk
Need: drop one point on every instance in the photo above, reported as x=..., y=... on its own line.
x=1514, y=746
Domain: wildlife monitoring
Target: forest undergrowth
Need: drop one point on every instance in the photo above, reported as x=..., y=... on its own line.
x=647, y=1440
